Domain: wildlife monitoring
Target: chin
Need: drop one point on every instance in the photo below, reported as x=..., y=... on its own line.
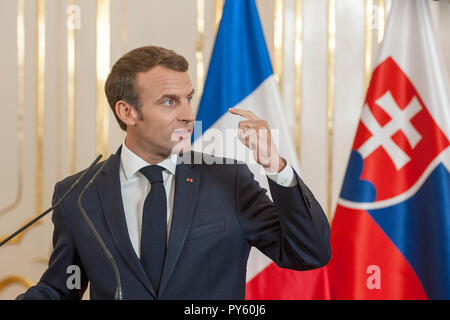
x=182, y=147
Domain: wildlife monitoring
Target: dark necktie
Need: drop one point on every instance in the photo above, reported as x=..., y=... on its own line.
x=154, y=225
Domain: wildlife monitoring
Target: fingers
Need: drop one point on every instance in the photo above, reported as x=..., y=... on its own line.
x=244, y=113
x=247, y=137
x=247, y=125
x=250, y=128
x=253, y=124
x=255, y=134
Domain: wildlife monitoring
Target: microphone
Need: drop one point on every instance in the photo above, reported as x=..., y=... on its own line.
x=118, y=292
x=56, y=203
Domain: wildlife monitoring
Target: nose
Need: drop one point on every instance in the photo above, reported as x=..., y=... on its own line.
x=186, y=113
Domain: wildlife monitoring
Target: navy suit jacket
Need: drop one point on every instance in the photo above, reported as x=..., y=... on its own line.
x=219, y=212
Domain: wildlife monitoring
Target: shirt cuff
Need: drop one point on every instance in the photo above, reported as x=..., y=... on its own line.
x=284, y=178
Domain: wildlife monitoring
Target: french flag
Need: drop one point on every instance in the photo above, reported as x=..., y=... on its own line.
x=240, y=75
x=391, y=230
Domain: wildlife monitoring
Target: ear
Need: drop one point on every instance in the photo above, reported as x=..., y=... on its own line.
x=127, y=113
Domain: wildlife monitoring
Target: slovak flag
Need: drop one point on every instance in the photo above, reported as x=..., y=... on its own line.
x=391, y=231
x=240, y=75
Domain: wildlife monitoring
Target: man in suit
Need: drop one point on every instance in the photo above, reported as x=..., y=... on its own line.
x=179, y=224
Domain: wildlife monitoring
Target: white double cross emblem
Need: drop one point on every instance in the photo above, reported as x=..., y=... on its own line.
x=382, y=136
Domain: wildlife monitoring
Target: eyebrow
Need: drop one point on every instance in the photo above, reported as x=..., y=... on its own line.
x=174, y=96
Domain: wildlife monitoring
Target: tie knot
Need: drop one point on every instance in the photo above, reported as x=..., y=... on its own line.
x=152, y=173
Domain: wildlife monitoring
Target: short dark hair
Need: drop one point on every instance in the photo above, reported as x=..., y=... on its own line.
x=121, y=83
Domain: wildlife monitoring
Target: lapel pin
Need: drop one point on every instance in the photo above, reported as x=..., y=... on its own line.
x=189, y=180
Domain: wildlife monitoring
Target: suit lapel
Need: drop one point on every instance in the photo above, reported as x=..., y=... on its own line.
x=187, y=181
x=108, y=187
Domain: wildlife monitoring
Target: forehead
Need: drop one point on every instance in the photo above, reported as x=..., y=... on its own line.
x=160, y=80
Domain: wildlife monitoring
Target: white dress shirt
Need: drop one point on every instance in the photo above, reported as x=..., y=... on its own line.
x=135, y=188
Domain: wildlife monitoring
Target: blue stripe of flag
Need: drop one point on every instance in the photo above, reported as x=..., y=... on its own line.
x=420, y=228
x=239, y=63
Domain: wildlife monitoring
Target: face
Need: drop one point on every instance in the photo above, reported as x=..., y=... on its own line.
x=164, y=123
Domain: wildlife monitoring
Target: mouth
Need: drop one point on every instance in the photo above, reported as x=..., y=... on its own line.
x=182, y=133
x=181, y=140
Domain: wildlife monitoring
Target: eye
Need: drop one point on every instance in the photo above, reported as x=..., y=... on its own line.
x=168, y=102
x=188, y=99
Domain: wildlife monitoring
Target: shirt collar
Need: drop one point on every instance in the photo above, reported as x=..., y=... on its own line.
x=131, y=163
